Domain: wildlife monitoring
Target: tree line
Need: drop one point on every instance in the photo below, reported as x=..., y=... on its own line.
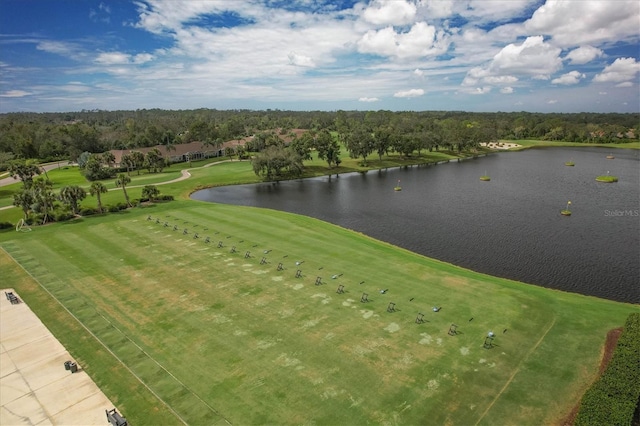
x=65, y=136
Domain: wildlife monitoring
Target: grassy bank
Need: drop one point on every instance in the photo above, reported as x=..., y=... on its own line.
x=226, y=336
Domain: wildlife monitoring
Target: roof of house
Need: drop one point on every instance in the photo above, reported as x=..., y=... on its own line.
x=186, y=148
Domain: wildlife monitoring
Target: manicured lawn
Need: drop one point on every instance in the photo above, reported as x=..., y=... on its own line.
x=225, y=336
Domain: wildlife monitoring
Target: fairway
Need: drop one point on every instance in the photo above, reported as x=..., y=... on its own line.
x=224, y=336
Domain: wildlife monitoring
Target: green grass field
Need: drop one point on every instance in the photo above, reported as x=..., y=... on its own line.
x=176, y=330
x=210, y=336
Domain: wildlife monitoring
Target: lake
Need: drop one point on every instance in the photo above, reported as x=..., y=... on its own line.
x=509, y=227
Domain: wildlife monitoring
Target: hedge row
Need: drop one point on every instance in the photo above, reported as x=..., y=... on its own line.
x=613, y=398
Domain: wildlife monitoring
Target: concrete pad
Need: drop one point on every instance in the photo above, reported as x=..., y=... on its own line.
x=35, y=388
x=14, y=387
x=6, y=364
x=25, y=410
x=36, y=351
x=21, y=336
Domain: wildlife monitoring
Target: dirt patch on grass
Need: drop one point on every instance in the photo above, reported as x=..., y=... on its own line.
x=609, y=346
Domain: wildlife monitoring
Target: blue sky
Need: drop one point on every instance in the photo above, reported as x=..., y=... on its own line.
x=472, y=55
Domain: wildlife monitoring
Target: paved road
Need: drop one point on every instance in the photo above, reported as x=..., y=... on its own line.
x=9, y=180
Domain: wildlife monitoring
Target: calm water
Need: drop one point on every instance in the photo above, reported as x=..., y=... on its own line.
x=509, y=227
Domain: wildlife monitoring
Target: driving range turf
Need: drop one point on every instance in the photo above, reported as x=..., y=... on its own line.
x=199, y=334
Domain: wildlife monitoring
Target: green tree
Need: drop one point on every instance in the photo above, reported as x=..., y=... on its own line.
x=154, y=162
x=359, y=143
x=24, y=170
x=23, y=198
x=137, y=159
x=94, y=170
x=97, y=189
x=5, y=160
x=122, y=182
x=302, y=145
x=276, y=163
x=108, y=158
x=229, y=151
x=44, y=198
x=71, y=195
x=328, y=148
x=151, y=192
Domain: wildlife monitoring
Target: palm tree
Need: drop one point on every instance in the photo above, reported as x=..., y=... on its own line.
x=23, y=198
x=96, y=189
x=169, y=146
x=108, y=158
x=71, y=194
x=122, y=181
x=43, y=197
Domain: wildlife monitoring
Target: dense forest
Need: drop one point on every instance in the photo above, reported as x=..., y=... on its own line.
x=55, y=136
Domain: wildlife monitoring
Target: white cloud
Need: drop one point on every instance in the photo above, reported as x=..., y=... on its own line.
x=482, y=90
x=584, y=54
x=435, y=9
x=411, y=93
x=422, y=40
x=15, y=94
x=381, y=42
x=574, y=23
x=494, y=10
x=301, y=60
x=622, y=69
x=368, y=99
x=500, y=79
x=506, y=90
x=62, y=48
x=552, y=101
x=625, y=84
x=142, y=58
x=390, y=12
x=418, y=72
x=534, y=58
x=569, y=78
x=113, y=58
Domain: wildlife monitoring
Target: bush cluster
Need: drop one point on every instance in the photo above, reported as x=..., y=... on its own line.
x=612, y=399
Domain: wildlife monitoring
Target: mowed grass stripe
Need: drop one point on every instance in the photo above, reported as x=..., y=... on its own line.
x=371, y=373
x=265, y=347
x=218, y=217
x=117, y=342
x=87, y=348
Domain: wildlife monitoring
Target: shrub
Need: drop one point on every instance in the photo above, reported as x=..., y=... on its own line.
x=612, y=399
x=88, y=211
x=62, y=215
x=5, y=225
x=112, y=208
x=165, y=197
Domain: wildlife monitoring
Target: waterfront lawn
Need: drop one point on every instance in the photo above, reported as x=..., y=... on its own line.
x=223, y=337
